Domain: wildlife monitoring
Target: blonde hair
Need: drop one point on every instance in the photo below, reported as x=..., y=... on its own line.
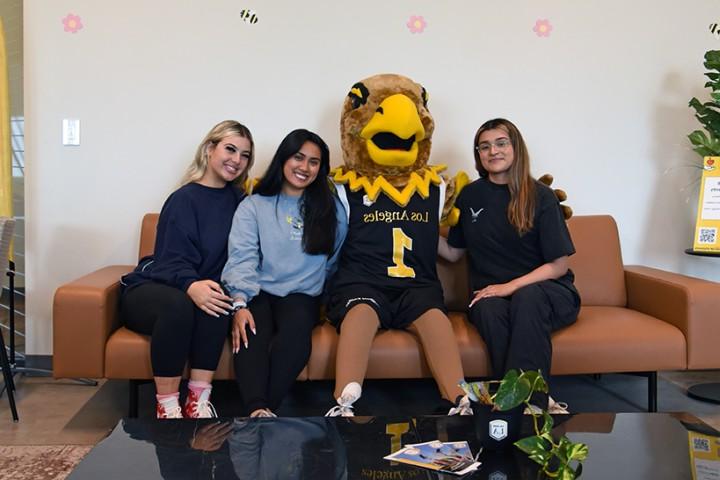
x=224, y=129
x=521, y=209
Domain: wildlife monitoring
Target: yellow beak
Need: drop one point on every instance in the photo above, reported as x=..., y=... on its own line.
x=394, y=131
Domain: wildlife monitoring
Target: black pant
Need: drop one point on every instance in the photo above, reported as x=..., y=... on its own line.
x=276, y=355
x=180, y=331
x=517, y=329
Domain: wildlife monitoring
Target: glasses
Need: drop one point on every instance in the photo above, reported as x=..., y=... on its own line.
x=500, y=144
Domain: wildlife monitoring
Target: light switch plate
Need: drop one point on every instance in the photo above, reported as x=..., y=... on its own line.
x=71, y=131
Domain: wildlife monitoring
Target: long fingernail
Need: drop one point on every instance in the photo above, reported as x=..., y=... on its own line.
x=246, y=345
x=253, y=330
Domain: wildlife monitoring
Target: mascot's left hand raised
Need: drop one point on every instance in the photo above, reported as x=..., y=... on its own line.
x=386, y=131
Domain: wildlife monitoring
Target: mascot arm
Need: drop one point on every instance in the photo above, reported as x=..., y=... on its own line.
x=451, y=214
x=547, y=179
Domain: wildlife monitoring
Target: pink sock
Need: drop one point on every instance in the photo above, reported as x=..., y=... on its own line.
x=198, y=386
x=168, y=398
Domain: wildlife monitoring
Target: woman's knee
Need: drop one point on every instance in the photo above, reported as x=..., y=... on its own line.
x=489, y=309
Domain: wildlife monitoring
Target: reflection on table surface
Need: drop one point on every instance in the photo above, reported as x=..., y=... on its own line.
x=626, y=445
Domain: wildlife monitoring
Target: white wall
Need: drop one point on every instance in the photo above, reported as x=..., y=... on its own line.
x=602, y=102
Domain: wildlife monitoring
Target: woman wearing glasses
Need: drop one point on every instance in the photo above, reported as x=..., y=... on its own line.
x=518, y=246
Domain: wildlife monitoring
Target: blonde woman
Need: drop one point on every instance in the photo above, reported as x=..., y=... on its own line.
x=174, y=295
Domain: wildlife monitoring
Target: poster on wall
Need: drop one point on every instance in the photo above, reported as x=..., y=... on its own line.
x=708, y=215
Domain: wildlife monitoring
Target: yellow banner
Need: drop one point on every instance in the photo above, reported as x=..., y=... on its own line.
x=6, y=200
x=708, y=214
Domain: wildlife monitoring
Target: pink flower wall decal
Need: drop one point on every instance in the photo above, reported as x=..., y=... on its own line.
x=542, y=28
x=72, y=23
x=416, y=24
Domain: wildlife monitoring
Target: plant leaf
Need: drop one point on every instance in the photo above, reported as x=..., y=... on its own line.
x=512, y=393
x=547, y=423
x=578, y=451
x=536, y=448
x=537, y=382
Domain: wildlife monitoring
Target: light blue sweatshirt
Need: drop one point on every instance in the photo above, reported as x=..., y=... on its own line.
x=265, y=250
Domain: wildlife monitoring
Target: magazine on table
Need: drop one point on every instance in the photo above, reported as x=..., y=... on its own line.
x=444, y=457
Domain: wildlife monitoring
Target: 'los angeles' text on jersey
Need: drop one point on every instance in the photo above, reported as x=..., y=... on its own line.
x=389, y=245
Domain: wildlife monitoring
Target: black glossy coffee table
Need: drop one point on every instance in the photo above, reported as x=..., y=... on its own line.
x=626, y=445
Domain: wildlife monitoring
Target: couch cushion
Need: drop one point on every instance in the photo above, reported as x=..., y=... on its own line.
x=616, y=339
x=597, y=264
x=147, y=234
x=127, y=356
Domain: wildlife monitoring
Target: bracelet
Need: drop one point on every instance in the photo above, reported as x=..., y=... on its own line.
x=238, y=306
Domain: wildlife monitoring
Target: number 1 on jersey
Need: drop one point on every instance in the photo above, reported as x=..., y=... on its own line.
x=400, y=243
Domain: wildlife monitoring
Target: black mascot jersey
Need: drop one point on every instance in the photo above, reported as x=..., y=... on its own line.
x=389, y=246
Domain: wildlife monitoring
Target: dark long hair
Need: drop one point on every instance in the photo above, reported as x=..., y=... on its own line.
x=521, y=210
x=317, y=203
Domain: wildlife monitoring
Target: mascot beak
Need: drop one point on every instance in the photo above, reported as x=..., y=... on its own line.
x=393, y=133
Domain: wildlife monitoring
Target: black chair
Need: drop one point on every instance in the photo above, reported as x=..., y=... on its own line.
x=7, y=227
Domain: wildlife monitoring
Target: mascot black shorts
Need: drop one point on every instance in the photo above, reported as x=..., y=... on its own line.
x=396, y=308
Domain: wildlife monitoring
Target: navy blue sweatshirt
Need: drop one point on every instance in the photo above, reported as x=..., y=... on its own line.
x=192, y=236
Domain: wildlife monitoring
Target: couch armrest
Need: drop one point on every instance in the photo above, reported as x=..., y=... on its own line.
x=691, y=304
x=85, y=313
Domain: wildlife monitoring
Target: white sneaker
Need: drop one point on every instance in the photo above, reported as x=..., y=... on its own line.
x=554, y=408
x=557, y=408
x=350, y=395
x=462, y=408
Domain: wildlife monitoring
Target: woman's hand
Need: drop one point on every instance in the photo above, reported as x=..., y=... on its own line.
x=241, y=321
x=211, y=437
x=501, y=290
x=210, y=298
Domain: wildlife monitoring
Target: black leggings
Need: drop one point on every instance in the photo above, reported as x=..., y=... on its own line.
x=276, y=355
x=180, y=331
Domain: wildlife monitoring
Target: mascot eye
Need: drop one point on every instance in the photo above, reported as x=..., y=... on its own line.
x=358, y=95
x=426, y=97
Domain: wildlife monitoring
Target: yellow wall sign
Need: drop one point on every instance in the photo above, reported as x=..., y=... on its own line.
x=708, y=214
x=704, y=456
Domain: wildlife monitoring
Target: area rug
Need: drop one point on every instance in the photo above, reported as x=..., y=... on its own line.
x=40, y=462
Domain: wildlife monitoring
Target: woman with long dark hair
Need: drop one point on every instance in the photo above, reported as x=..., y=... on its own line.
x=282, y=246
x=518, y=246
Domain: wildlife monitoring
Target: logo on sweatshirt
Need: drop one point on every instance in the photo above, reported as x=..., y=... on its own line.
x=296, y=225
x=475, y=214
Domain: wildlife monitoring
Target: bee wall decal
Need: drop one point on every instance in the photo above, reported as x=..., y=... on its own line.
x=715, y=30
x=248, y=16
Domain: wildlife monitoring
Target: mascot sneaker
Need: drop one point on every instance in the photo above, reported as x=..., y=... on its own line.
x=350, y=395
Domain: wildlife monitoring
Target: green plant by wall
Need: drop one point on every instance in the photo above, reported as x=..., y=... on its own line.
x=707, y=143
x=559, y=458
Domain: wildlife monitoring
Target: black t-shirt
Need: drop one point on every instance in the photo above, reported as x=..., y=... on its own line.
x=497, y=253
x=387, y=245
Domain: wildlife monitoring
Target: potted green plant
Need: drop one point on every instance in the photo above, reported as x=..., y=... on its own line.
x=707, y=142
x=559, y=458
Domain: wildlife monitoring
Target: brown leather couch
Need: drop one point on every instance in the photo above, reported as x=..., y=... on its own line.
x=633, y=319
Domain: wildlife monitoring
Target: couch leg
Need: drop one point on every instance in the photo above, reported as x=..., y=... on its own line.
x=133, y=398
x=652, y=392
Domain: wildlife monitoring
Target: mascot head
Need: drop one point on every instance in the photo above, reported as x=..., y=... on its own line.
x=386, y=128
